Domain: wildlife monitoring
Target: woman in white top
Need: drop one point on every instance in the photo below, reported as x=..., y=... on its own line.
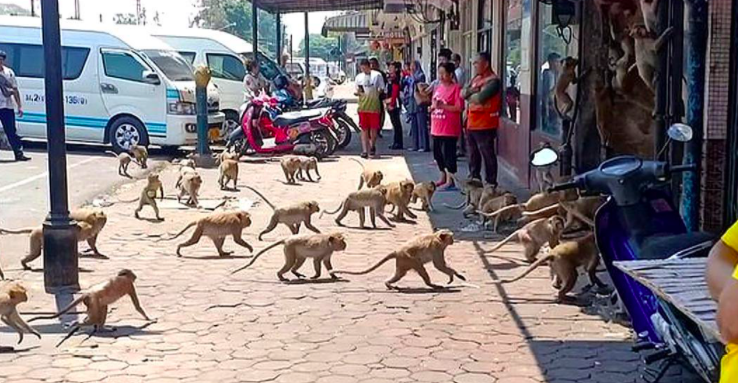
x=254, y=83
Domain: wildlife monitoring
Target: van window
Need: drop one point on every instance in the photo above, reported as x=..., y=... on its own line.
x=226, y=67
x=172, y=64
x=27, y=60
x=189, y=56
x=123, y=66
x=269, y=68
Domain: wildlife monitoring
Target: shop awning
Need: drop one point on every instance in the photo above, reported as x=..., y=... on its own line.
x=356, y=22
x=289, y=6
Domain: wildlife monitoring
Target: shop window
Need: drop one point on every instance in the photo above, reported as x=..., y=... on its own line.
x=512, y=59
x=552, y=48
x=484, y=26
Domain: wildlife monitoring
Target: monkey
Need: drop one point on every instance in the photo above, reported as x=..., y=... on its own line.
x=582, y=209
x=297, y=248
x=292, y=216
x=369, y=177
x=473, y=189
x=413, y=255
x=228, y=172
x=565, y=258
x=189, y=184
x=89, y=224
x=375, y=199
x=623, y=63
x=11, y=295
x=183, y=171
x=97, y=299
x=647, y=48
x=649, y=10
x=141, y=155
x=217, y=226
x=124, y=161
x=568, y=76
x=290, y=167
x=424, y=192
x=546, y=212
x=496, y=209
x=307, y=164
x=399, y=194
x=534, y=235
x=225, y=155
x=186, y=163
x=148, y=196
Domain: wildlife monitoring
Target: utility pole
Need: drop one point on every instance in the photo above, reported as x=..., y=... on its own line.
x=255, y=30
x=33, y=8
x=138, y=12
x=77, y=13
x=61, y=271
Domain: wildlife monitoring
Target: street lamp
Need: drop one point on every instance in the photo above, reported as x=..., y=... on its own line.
x=60, y=242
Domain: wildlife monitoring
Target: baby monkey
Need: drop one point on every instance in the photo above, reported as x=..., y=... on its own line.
x=217, y=226
x=369, y=177
x=306, y=165
x=148, y=195
x=297, y=248
x=414, y=255
x=97, y=299
x=11, y=295
x=290, y=167
x=293, y=216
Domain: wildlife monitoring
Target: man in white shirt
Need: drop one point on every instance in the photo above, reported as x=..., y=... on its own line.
x=8, y=94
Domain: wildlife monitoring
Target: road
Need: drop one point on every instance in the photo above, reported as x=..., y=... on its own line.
x=24, y=187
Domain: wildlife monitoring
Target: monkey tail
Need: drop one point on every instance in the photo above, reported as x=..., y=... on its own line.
x=530, y=269
x=333, y=212
x=500, y=211
x=545, y=210
x=189, y=225
x=111, y=152
x=499, y=245
x=17, y=231
x=358, y=162
x=261, y=196
x=63, y=311
x=273, y=245
x=369, y=270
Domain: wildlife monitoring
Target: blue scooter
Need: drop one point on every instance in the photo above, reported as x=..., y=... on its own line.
x=640, y=221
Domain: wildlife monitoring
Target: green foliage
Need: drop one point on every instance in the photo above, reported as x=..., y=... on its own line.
x=234, y=17
x=320, y=47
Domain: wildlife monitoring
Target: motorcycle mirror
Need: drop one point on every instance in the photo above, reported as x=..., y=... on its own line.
x=680, y=132
x=543, y=157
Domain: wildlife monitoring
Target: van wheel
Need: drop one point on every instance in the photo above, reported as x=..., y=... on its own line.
x=126, y=132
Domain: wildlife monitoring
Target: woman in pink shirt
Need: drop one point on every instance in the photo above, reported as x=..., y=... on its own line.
x=446, y=108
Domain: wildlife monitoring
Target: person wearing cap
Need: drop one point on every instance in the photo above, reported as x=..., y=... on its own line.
x=9, y=100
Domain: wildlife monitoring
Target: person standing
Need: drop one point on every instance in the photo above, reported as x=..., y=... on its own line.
x=9, y=100
x=419, y=118
x=483, y=119
x=460, y=74
x=394, y=105
x=446, y=109
x=254, y=82
x=374, y=63
x=369, y=84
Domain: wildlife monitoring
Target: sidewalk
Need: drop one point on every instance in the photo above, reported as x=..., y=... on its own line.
x=249, y=327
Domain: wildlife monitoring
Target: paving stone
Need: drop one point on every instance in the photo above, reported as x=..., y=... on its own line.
x=474, y=378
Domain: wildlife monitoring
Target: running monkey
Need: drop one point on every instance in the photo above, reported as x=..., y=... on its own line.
x=11, y=295
x=292, y=216
x=375, y=199
x=217, y=226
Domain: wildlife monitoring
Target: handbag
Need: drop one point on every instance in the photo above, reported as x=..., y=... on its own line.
x=422, y=98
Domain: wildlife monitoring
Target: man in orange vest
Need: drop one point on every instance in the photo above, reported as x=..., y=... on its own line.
x=484, y=100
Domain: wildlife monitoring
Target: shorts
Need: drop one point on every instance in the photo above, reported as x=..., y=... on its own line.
x=369, y=120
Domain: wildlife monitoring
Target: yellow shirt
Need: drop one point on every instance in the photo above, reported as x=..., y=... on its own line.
x=729, y=366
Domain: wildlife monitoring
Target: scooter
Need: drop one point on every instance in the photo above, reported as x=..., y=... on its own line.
x=640, y=221
x=343, y=122
x=265, y=131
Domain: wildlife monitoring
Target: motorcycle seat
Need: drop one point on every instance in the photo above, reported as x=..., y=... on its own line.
x=664, y=246
x=291, y=118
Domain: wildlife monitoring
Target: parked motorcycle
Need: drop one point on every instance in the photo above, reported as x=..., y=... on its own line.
x=640, y=221
x=343, y=122
x=266, y=130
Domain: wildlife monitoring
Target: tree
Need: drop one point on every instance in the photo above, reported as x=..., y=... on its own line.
x=320, y=47
x=234, y=16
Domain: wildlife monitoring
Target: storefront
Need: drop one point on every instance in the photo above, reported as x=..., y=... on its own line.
x=731, y=211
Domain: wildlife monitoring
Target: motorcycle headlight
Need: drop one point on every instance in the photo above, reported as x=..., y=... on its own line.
x=181, y=108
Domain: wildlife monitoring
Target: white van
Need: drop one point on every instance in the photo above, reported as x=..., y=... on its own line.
x=121, y=86
x=224, y=54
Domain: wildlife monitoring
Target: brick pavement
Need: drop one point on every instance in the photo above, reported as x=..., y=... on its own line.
x=250, y=328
